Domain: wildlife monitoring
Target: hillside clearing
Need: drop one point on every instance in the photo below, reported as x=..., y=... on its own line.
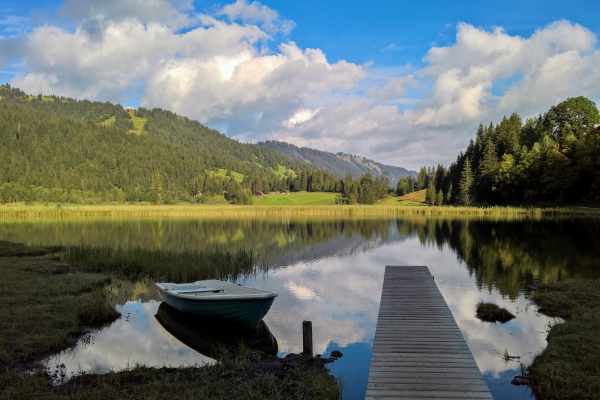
x=297, y=198
x=223, y=173
x=138, y=123
x=109, y=121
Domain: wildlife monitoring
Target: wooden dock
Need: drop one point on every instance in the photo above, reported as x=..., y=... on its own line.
x=419, y=351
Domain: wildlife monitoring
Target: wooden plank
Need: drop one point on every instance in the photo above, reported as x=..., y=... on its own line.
x=419, y=351
x=414, y=394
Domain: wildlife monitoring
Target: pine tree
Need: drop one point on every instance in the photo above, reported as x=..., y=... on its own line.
x=430, y=196
x=466, y=181
x=158, y=192
x=449, y=194
x=440, y=198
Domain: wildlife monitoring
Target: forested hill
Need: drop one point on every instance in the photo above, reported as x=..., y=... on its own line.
x=60, y=149
x=338, y=164
x=552, y=159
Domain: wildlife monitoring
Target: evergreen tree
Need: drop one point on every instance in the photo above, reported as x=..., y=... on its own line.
x=449, y=194
x=440, y=198
x=430, y=195
x=158, y=192
x=466, y=182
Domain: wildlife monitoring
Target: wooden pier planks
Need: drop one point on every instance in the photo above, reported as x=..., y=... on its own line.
x=419, y=351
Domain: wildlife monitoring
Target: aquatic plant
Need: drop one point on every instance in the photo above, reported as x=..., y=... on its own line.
x=491, y=312
x=185, y=266
x=19, y=210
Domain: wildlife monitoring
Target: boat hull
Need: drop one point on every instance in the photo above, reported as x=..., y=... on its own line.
x=210, y=336
x=246, y=312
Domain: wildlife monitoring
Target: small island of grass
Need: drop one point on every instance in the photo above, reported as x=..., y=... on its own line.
x=491, y=312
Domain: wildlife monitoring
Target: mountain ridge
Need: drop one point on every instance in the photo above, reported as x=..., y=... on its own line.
x=339, y=163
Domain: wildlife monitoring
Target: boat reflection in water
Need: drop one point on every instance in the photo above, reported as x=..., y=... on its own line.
x=206, y=336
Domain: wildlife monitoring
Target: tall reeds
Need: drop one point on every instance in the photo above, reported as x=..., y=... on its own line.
x=182, y=210
x=160, y=265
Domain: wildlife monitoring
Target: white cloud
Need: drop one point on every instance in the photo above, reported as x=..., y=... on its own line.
x=221, y=72
x=256, y=13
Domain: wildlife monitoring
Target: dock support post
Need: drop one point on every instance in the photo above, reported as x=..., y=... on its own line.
x=307, y=341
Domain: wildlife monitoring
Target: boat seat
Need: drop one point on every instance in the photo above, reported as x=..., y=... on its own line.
x=199, y=290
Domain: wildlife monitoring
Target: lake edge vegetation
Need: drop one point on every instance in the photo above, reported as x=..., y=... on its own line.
x=550, y=160
x=491, y=312
x=74, y=302
x=568, y=366
x=9, y=211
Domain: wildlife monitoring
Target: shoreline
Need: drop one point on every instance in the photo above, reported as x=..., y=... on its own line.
x=568, y=366
x=17, y=210
x=50, y=305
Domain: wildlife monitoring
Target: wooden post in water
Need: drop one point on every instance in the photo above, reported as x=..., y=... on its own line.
x=307, y=342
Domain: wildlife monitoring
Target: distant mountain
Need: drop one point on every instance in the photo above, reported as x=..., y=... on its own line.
x=340, y=163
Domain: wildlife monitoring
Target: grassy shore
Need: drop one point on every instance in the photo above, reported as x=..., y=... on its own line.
x=569, y=367
x=49, y=300
x=387, y=208
x=161, y=265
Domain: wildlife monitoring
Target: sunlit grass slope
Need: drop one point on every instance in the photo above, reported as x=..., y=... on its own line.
x=413, y=199
x=223, y=173
x=281, y=170
x=297, y=198
x=109, y=121
x=138, y=123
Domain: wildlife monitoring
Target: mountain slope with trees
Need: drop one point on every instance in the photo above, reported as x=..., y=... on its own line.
x=56, y=149
x=552, y=159
x=340, y=163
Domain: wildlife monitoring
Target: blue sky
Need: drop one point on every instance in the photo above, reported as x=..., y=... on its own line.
x=404, y=83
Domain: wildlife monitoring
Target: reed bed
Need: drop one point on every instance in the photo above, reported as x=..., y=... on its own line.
x=160, y=265
x=16, y=210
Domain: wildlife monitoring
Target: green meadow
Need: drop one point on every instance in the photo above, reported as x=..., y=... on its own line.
x=297, y=198
x=223, y=173
x=138, y=123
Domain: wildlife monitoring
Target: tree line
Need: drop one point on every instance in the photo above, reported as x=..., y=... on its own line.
x=56, y=149
x=551, y=159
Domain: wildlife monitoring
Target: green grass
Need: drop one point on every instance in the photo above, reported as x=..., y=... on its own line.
x=223, y=173
x=236, y=375
x=138, y=123
x=158, y=265
x=414, y=198
x=569, y=367
x=297, y=198
x=109, y=121
x=301, y=204
x=46, y=304
x=281, y=172
x=491, y=312
x=45, y=99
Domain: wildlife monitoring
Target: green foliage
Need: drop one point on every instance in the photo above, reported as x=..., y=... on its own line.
x=551, y=159
x=491, y=312
x=440, y=198
x=466, y=181
x=186, y=266
x=430, y=195
x=66, y=150
x=568, y=366
x=158, y=192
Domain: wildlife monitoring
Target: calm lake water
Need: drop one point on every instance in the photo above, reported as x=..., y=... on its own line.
x=330, y=271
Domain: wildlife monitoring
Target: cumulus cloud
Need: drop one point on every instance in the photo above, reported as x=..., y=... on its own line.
x=219, y=69
x=556, y=62
x=172, y=13
x=256, y=13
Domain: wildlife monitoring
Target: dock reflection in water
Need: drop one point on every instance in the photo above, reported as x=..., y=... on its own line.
x=208, y=336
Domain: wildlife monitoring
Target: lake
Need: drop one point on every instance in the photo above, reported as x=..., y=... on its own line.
x=330, y=271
